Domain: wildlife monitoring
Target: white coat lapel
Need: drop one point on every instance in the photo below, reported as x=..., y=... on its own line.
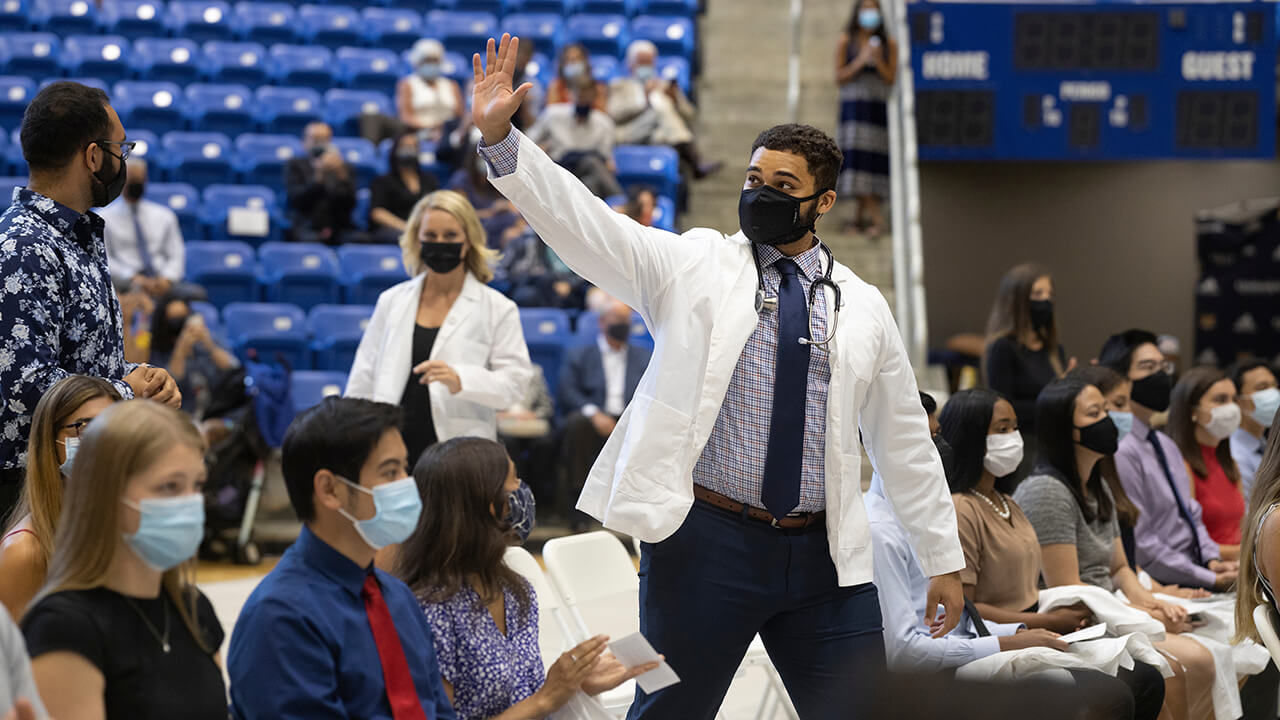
x=460, y=314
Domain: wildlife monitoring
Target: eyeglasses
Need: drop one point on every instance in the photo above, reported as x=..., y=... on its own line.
x=126, y=147
x=1153, y=366
x=77, y=426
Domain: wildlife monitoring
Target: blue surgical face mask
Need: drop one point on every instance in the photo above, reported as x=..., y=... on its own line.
x=869, y=18
x=1123, y=421
x=71, y=444
x=574, y=69
x=1265, y=404
x=169, y=529
x=645, y=72
x=429, y=70
x=520, y=511
x=397, y=506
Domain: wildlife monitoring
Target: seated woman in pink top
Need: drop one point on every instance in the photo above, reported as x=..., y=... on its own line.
x=1202, y=416
x=27, y=543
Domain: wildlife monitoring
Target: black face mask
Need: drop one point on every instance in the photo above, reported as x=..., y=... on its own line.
x=441, y=257
x=582, y=112
x=407, y=159
x=769, y=216
x=1041, y=314
x=133, y=191
x=177, y=324
x=1100, y=437
x=1152, y=391
x=318, y=150
x=106, y=191
x=618, y=332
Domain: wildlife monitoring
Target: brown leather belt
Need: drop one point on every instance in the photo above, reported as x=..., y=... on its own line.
x=794, y=521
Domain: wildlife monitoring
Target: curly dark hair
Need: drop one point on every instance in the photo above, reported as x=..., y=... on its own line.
x=817, y=148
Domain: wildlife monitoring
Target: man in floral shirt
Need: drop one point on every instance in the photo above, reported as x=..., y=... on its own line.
x=59, y=314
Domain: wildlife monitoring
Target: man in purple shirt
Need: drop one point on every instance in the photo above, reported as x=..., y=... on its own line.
x=1172, y=543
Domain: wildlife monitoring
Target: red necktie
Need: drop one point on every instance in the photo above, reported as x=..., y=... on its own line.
x=401, y=692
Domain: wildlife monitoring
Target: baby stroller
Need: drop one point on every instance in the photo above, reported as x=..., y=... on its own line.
x=255, y=405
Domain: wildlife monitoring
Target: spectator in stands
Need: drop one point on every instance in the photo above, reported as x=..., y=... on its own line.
x=1073, y=513
x=538, y=277
x=596, y=383
x=443, y=345
x=1023, y=354
x=1115, y=389
x=580, y=138
x=641, y=202
x=426, y=99
x=866, y=67
x=120, y=629
x=144, y=239
x=649, y=110
x=303, y=645
x=498, y=217
x=1002, y=557
x=136, y=308
x=395, y=193
x=19, y=698
x=574, y=65
x=321, y=191
x=525, y=429
x=537, y=97
x=76, y=148
x=1202, y=417
x=1259, y=399
x=1172, y=543
x=182, y=344
x=484, y=615
x=61, y=417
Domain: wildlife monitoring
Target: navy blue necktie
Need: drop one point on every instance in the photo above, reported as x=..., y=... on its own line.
x=780, y=491
x=1173, y=487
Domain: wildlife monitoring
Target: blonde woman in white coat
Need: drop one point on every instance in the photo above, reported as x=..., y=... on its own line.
x=443, y=345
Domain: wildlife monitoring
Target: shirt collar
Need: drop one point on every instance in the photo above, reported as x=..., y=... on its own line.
x=55, y=213
x=322, y=557
x=1245, y=440
x=809, y=261
x=1140, y=429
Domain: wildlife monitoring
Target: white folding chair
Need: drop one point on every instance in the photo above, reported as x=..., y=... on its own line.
x=1264, y=619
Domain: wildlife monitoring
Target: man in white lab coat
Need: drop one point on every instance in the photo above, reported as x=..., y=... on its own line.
x=738, y=460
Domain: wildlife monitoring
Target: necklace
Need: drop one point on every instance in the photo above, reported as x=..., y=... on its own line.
x=1004, y=514
x=162, y=639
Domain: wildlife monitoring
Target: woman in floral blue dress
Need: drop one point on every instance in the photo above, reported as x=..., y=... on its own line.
x=484, y=615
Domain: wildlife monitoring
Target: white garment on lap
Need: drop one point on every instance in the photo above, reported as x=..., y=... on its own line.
x=1107, y=608
x=1108, y=655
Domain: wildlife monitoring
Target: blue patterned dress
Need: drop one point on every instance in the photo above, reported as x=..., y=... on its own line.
x=864, y=132
x=489, y=671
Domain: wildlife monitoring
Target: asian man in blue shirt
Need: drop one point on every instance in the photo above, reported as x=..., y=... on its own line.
x=326, y=635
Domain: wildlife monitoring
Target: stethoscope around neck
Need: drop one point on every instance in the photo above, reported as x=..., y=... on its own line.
x=770, y=302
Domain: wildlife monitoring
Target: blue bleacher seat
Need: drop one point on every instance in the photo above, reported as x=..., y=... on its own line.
x=155, y=106
x=676, y=69
x=133, y=18
x=683, y=8
x=462, y=31
x=330, y=25
x=105, y=57
x=673, y=35
x=360, y=213
x=362, y=156
x=458, y=68
x=664, y=214
x=199, y=20
x=555, y=7
x=168, y=59
x=604, y=67
x=7, y=186
x=547, y=334
x=286, y=109
x=266, y=22
x=369, y=69
x=272, y=329
x=14, y=163
x=653, y=165
x=227, y=270
x=367, y=270
x=147, y=142
x=542, y=28
x=311, y=386
x=395, y=29
x=218, y=201
x=92, y=82
x=604, y=7
x=336, y=331
x=344, y=108
x=302, y=66
x=15, y=92
x=184, y=201
x=419, y=5
x=599, y=34
x=198, y=158
x=212, y=319
x=14, y=15
x=65, y=17
x=260, y=159
x=220, y=108
x=33, y=54
x=494, y=7
x=541, y=67
x=305, y=274
x=228, y=62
